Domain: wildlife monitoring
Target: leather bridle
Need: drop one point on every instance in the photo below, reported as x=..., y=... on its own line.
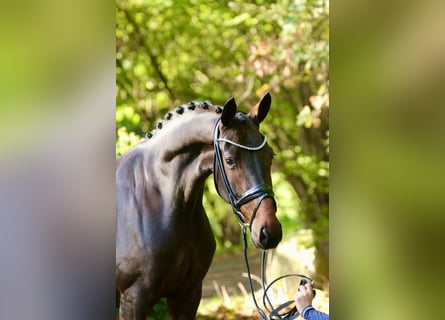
x=259, y=192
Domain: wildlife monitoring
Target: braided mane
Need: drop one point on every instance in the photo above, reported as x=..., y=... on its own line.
x=178, y=111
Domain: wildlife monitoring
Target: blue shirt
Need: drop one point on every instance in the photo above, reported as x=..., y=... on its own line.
x=309, y=313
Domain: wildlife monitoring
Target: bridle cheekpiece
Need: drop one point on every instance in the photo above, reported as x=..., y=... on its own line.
x=261, y=191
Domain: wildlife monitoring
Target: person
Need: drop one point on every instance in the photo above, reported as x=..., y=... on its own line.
x=303, y=301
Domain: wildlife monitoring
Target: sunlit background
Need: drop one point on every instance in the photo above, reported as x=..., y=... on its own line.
x=172, y=52
x=58, y=98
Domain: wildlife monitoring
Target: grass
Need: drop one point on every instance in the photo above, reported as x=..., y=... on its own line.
x=241, y=307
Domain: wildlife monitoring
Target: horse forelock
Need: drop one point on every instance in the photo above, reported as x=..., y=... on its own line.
x=243, y=130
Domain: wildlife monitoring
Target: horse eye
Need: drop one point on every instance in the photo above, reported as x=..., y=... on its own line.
x=230, y=162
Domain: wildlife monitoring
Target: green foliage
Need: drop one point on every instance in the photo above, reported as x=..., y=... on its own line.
x=288, y=204
x=125, y=140
x=160, y=311
x=170, y=52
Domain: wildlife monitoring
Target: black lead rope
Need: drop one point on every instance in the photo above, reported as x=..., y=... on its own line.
x=274, y=313
x=246, y=260
x=259, y=192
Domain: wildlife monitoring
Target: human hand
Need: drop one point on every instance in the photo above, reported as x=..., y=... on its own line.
x=304, y=296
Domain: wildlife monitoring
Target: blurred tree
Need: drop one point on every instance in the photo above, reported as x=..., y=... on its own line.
x=169, y=52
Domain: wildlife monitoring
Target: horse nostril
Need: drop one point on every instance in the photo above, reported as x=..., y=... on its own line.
x=264, y=236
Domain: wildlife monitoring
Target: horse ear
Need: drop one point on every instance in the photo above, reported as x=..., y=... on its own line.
x=229, y=112
x=259, y=112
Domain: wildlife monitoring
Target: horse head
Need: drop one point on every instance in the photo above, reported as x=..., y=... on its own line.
x=242, y=171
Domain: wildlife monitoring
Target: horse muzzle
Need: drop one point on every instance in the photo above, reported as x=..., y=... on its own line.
x=266, y=231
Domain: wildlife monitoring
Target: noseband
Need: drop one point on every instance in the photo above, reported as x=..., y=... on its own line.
x=261, y=191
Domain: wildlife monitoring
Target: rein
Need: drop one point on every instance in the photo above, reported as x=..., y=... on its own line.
x=261, y=192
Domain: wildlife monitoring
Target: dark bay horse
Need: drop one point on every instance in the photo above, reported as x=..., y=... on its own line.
x=164, y=243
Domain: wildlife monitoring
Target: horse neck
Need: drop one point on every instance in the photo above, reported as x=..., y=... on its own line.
x=184, y=154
